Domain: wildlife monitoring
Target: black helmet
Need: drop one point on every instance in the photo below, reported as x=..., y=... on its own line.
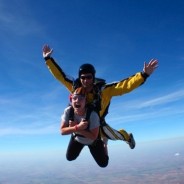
x=87, y=68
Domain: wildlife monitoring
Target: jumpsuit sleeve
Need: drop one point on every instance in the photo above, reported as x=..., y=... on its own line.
x=119, y=88
x=125, y=86
x=59, y=74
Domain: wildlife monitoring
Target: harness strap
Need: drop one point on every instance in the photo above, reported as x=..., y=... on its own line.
x=88, y=113
x=71, y=113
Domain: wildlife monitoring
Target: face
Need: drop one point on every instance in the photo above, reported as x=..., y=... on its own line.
x=86, y=80
x=78, y=101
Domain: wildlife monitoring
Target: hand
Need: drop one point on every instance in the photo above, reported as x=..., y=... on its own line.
x=82, y=125
x=47, y=51
x=72, y=123
x=150, y=67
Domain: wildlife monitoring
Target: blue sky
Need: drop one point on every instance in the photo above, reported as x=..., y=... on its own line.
x=117, y=37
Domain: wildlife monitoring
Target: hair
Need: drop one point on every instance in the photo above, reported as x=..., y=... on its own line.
x=80, y=91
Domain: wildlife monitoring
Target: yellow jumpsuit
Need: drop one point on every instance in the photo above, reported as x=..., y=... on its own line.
x=108, y=91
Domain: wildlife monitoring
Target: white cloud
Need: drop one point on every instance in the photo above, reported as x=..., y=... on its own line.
x=175, y=96
x=177, y=154
x=143, y=115
x=27, y=131
x=145, y=102
x=140, y=109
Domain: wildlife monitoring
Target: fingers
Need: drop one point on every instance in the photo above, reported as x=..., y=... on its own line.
x=47, y=51
x=83, y=125
x=72, y=123
x=144, y=64
x=151, y=66
x=45, y=48
x=153, y=62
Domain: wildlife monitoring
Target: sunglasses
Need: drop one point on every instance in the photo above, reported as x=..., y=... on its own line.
x=86, y=77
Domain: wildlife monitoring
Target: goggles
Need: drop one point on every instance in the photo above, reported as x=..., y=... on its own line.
x=77, y=97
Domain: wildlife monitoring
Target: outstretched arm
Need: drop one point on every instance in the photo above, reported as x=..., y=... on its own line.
x=150, y=67
x=55, y=69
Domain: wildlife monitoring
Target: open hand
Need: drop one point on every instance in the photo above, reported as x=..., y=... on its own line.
x=47, y=51
x=150, y=67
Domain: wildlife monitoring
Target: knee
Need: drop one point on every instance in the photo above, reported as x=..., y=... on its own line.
x=104, y=163
x=70, y=157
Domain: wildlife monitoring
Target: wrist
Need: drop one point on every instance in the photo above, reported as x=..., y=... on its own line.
x=76, y=127
x=47, y=57
x=144, y=75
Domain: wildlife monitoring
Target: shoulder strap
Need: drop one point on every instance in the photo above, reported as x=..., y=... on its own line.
x=88, y=113
x=71, y=113
x=99, y=80
x=97, y=96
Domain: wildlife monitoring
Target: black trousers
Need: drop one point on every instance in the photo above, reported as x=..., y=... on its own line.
x=97, y=150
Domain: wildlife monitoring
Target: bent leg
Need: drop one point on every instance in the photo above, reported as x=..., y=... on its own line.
x=74, y=149
x=99, y=153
